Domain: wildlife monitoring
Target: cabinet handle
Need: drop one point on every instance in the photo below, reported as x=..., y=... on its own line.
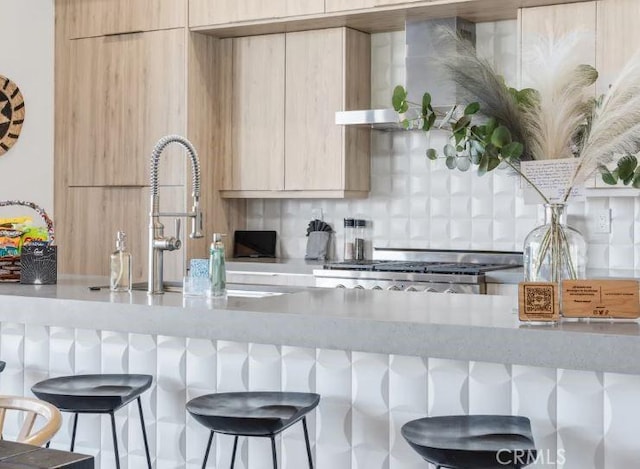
x=123, y=33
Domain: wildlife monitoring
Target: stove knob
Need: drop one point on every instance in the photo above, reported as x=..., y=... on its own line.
x=450, y=290
x=340, y=286
x=431, y=290
x=411, y=289
x=394, y=288
x=358, y=287
x=377, y=287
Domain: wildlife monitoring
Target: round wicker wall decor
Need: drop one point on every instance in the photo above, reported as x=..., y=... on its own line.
x=11, y=114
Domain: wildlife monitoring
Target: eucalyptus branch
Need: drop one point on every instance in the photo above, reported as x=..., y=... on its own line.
x=627, y=171
x=484, y=145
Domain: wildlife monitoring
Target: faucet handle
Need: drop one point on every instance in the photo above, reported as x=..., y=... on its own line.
x=174, y=243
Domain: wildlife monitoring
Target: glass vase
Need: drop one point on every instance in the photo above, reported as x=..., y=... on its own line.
x=554, y=251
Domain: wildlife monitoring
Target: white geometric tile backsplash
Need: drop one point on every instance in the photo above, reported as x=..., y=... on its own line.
x=417, y=203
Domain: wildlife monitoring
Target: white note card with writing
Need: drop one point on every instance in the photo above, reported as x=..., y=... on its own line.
x=552, y=178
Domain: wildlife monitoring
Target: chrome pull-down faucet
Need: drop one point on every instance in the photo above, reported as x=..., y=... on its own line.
x=158, y=243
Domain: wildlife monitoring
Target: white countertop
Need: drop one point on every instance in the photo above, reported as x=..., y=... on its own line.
x=514, y=276
x=463, y=327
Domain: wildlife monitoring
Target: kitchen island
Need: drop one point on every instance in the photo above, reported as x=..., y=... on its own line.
x=377, y=358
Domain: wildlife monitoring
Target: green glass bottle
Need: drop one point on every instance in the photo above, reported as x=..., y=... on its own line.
x=217, y=269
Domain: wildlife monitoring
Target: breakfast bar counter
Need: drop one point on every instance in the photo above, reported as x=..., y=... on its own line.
x=378, y=358
x=459, y=327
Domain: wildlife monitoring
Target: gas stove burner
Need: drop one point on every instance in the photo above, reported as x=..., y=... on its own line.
x=454, y=268
x=466, y=268
x=366, y=265
x=416, y=267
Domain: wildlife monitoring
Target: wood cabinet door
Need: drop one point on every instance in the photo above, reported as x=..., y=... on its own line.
x=315, y=91
x=384, y=3
x=618, y=38
x=345, y=5
x=258, y=113
x=120, y=95
x=209, y=12
x=93, y=216
x=88, y=18
x=559, y=19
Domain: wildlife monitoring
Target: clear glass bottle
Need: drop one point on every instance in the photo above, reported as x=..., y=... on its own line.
x=120, y=280
x=554, y=251
x=217, y=269
x=359, y=239
x=349, y=252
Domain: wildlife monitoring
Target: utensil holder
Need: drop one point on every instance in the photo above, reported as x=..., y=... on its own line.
x=38, y=261
x=318, y=245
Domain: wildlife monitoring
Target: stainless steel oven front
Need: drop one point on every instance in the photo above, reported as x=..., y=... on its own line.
x=400, y=281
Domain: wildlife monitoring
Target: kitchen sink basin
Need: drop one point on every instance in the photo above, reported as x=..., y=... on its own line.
x=253, y=293
x=233, y=290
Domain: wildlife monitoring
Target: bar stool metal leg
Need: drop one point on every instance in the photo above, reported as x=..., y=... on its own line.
x=233, y=455
x=144, y=433
x=206, y=452
x=306, y=439
x=73, y=432
x=273, y=451
x=115, y=439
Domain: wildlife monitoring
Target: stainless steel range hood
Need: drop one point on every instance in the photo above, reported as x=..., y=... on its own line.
x=423, y=45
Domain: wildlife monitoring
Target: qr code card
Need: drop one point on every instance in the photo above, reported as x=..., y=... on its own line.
x=538, y=301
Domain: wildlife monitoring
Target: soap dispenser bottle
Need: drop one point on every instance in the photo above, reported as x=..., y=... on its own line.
x=217, y=269
x=120, y=265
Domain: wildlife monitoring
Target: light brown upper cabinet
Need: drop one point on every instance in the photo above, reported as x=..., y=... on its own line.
x=344, y=5
x=327, y=71
x=210, y=12
x=558, y=20
x=121, y=95
x=258, y=113
x=286, y=144
x=381, y=3
x=618, y=38
x=88, y=18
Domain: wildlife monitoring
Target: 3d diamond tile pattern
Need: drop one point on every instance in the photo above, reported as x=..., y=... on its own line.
x=580, y=419
x=417, y=203
x=580, y=413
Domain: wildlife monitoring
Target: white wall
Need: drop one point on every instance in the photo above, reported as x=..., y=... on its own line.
x=417, y=203
x=27, y=57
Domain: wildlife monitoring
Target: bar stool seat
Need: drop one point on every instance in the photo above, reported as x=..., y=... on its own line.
x=96, y=394
x=473, y=441
x=2, y=365
x=258, y=414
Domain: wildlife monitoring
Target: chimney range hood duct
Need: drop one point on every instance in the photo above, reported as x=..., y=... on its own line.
x=422, y=46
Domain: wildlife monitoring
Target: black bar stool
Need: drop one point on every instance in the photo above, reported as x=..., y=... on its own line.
x=472, y=441
x=96, y=394
x=2, y=365
x=261, y=414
